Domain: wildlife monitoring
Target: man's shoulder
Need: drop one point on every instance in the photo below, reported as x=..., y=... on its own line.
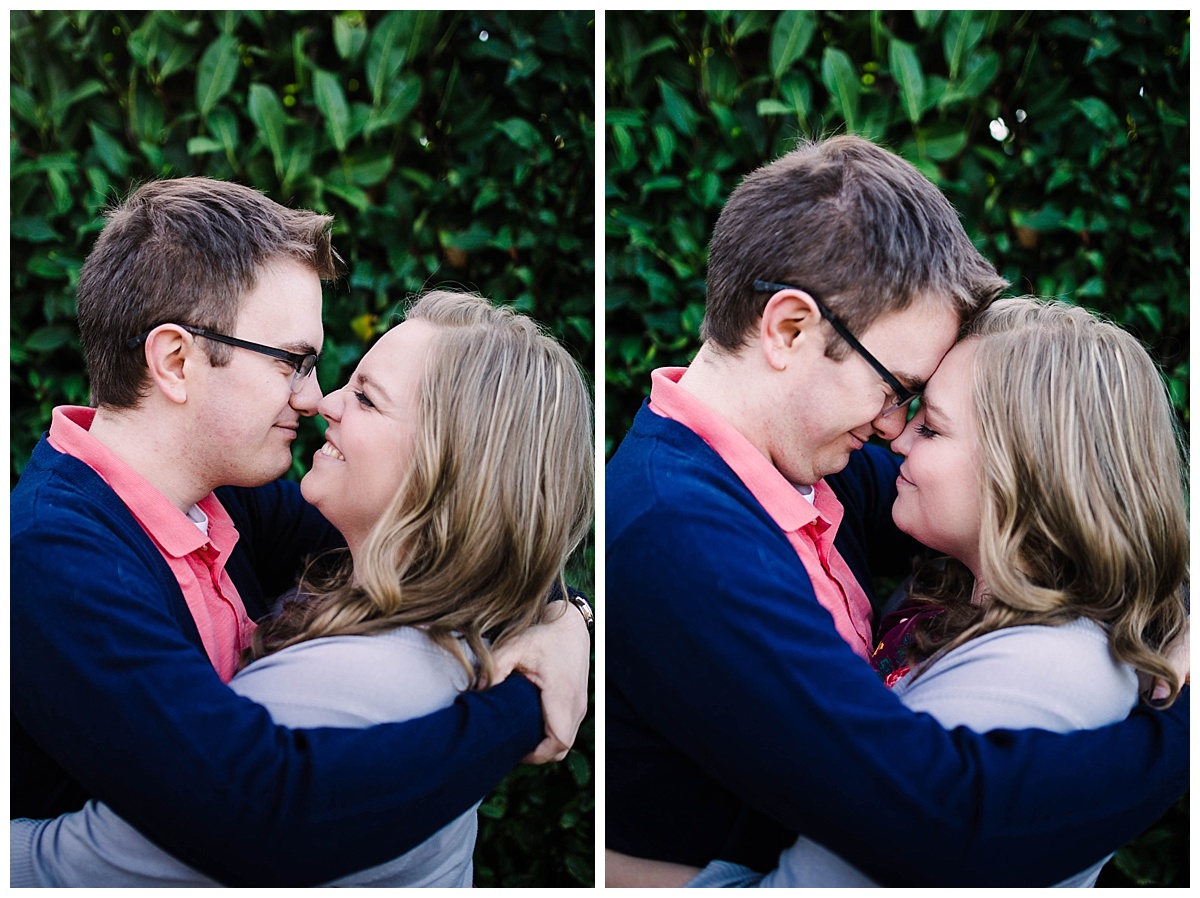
x=677, y=517
x=664, y=468
x=56, y=487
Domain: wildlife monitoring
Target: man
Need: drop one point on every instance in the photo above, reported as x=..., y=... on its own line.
x=145, y=543
x=740, y=709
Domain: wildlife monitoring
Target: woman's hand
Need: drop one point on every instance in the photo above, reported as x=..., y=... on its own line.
x=1178, y=653
x=556, y=657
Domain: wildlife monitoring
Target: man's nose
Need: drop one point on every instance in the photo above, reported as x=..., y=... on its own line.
x=891, y=425
x=308, y=397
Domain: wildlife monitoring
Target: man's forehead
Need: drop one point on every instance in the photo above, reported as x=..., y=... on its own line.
x=912, y=341
x=285, y=304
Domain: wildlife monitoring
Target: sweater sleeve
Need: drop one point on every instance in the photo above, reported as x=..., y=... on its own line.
x=106, y=683
x=352, y=681
x=716, y=641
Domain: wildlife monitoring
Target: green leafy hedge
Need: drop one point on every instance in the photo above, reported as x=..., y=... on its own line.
x=454, y=148
x=1060, y=137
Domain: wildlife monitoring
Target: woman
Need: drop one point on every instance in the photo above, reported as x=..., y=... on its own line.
x=1045, y=462
x=458, y=465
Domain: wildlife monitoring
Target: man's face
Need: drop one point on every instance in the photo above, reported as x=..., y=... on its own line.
x=247, y=414
x=830, y=408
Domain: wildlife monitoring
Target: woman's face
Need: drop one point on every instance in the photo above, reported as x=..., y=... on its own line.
x=938, y=500
x=372, y=427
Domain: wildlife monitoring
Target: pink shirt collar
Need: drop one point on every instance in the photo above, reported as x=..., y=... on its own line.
x=782, y=501
x=175, y=534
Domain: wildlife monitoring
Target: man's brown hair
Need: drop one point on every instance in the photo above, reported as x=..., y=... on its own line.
x=850, y=222
x=183, y=251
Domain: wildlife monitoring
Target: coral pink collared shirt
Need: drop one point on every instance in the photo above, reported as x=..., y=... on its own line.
x=196, y=560
x=810, y=527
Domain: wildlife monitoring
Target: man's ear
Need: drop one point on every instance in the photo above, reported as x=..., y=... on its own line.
x=171, y=355
x=787, y=325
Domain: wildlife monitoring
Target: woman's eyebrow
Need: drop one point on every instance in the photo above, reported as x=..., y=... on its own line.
x=375, y=386
x=936, y=412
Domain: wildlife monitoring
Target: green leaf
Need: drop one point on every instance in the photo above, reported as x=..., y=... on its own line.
x=114, y=156
x=355, y=196
x=48, y=339
x=790, y=38
x=678, y=110
x=520, y=132
x=267, y=114
x=218, y=70
x=35, y=230
x=663, y=182
x=768, y=106
x=750, y=22
x=178, y=57
x=964, y=29
x=943, y=143
x=581, y=770
x=404, y=94
x=331, y=103
x=1101, y=46
x=369, y=172
x=349, y=34
x=198, y=146
x=1153, y=314
x=981, y=72
x=222, y=124
x=927, y=18
x=797, y=91
x=1098, y=113
x=88, y=89
x=386, y=52
x=906, y=69
x=23, y=105
x=840, y=79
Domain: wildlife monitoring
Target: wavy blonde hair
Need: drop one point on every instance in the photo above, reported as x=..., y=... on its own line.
x=1083, y=477
x=497, y=495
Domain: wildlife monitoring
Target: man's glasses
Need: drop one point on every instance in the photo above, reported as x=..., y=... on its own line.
x=901, y=397
x=303, y=362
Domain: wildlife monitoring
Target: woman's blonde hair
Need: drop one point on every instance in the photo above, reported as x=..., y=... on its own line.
x=1084, y=507
x=497, y=495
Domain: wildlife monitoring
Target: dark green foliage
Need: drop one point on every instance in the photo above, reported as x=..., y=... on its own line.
x=1080, y=193
x=454, y=148
x=1084, y=198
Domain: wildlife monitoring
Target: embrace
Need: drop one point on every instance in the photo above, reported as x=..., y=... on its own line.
x=186, y=711
x=1014, y=715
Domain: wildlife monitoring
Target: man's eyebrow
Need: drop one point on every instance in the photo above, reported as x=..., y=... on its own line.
x=303, y=348
x=912, y=383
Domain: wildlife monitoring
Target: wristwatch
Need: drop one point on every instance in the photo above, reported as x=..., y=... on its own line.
x=589, y=616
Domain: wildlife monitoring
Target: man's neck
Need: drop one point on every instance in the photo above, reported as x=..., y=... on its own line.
x=726, y=384
x=152, y=451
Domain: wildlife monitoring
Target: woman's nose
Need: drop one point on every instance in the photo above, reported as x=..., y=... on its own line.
x=331, y=405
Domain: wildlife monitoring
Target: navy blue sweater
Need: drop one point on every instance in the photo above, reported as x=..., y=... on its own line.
x=113, y=697
x=736, y=717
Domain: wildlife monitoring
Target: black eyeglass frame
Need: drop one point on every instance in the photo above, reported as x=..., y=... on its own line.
x=903, y=394
x=304, y=362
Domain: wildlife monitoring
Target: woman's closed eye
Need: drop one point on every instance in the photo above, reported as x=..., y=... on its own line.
x=923, y=430
x=363, y=399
